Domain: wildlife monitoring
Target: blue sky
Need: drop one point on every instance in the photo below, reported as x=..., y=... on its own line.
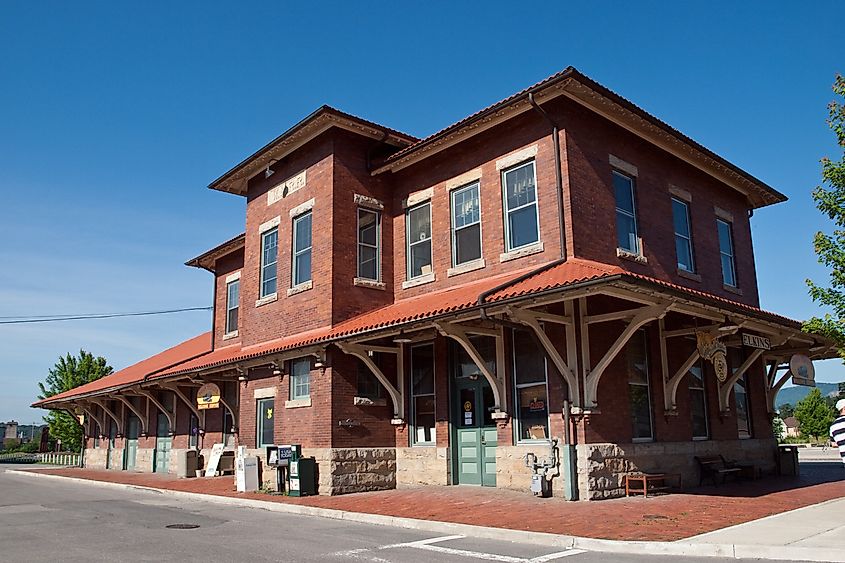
x=114, y=117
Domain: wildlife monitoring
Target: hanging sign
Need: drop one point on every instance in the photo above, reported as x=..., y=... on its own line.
x=208, y=397
x=803, y=371
x=754, y=341
x=714, y=351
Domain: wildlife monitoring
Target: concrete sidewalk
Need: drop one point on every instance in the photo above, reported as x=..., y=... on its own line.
x=816, y=526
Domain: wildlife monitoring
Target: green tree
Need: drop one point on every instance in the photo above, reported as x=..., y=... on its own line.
x=68, y=373
x=814, y=415
x=841, y=388
x=830, y=248
x=786, y=410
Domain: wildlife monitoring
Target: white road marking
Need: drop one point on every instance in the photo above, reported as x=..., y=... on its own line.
x=428, y=545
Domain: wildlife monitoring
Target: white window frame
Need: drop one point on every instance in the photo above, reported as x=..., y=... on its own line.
x=686, y=237
x=409, y=244
x=535, y=203
x=377, y=246
x=731, y=255
x=264, y=265
x=642, y=334
x=230, y=307
x=518, y=386
x=301, y=381
x=632, y=214
x=477, y=186
x=414, y=396
x=698, y=385
x=294, y=269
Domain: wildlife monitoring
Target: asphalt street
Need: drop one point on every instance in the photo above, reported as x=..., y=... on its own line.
x=52, y=520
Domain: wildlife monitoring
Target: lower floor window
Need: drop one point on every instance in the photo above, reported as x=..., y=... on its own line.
x=266, y=415
x=368, y=386
x=638, y=392
x=743, y=415
x=422, y=392
x=530, y=380
x=698, y=402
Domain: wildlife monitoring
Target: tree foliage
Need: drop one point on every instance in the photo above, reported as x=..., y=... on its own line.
x=68, y=373
x=786, y=410
x=814, y=415
x=830, y=248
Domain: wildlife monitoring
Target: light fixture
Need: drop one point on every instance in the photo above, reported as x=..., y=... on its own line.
x=267, y=171
x=402, y=338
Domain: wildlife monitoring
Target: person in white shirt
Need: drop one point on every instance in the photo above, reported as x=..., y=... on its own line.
x=837, y=429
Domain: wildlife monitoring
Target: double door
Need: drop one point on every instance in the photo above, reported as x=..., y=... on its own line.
x=130, y=452
x=161, y=458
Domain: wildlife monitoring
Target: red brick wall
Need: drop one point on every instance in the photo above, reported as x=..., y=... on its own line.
x=589, y=140
x=225, y=266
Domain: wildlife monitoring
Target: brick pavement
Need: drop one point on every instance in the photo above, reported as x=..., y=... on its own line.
x=660, y=518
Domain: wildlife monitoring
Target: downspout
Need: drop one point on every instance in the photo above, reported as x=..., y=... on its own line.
x=558, y=175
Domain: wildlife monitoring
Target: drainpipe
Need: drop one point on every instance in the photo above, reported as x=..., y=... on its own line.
x=558, y=176
x=569, y=459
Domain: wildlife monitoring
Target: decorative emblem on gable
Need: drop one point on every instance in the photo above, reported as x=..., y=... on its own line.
x=714, y=351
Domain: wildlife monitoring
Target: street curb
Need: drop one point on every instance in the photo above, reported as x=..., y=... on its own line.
x=677, y=548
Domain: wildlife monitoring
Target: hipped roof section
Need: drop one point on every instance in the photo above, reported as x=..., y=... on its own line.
x=324, y=118
x=196, y=354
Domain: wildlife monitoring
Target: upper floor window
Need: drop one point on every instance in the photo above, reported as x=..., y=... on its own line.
x=522, y=224
x=300, y=379
x=683, y=235
x=626, y=216
x=232, y=298
x=302, y=249
x=638, y=388
x=418, y=251
x=466, y=225
x=726, y=250
x=269, y=256
x=368, y=244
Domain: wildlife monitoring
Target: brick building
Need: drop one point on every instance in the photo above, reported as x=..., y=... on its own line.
x=560, y=273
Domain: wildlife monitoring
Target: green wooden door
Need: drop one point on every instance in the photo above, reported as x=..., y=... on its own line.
x=161, y=458
x=110, y=451
x=130, y=452
x=475, y=432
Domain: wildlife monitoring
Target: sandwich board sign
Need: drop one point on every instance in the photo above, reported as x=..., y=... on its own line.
x=214, y=460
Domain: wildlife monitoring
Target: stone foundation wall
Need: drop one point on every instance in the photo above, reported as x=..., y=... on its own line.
x=601, y=467
x=116, y=459
x=511, y=472
x=354, y=470
x=95, y=458
x=422, y=466
x=144, y=460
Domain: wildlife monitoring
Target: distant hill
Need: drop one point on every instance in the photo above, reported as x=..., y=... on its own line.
x=792, y=395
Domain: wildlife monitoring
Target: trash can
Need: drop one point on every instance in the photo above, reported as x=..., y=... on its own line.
x=788, y=460
x=187, y=462
x=302, y=477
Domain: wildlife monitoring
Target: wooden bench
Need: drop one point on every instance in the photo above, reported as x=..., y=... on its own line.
x=651, y=482
x=716, y=468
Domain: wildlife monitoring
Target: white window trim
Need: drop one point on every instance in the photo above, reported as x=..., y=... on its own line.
x=535, y=203
x=267, y=298
x=408, y=245
x=230, y=332
x=299, y=287
x=624, y=252
x=233, y=277
x=301, y=209
x=688, y=236
x=735, y=284
x=518, y=426
x=292, y=397
x=413, y=425
x=518, y=157
x=377, y=247
x=454, y=234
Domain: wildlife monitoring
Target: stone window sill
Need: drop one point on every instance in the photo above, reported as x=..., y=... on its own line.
x=633, y=256
x=466, y=267
x=689, y=275
x=298, y=403
x=534, y=248
x=732, y=289
x=305, y=286
x=642, y=440
x=420, y=280
x=267, y=299
x=230, y=335
x=367, y=402
x=368, y=283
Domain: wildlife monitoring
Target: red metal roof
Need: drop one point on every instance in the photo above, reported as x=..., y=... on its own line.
x=196, y=346
x=196, y=354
